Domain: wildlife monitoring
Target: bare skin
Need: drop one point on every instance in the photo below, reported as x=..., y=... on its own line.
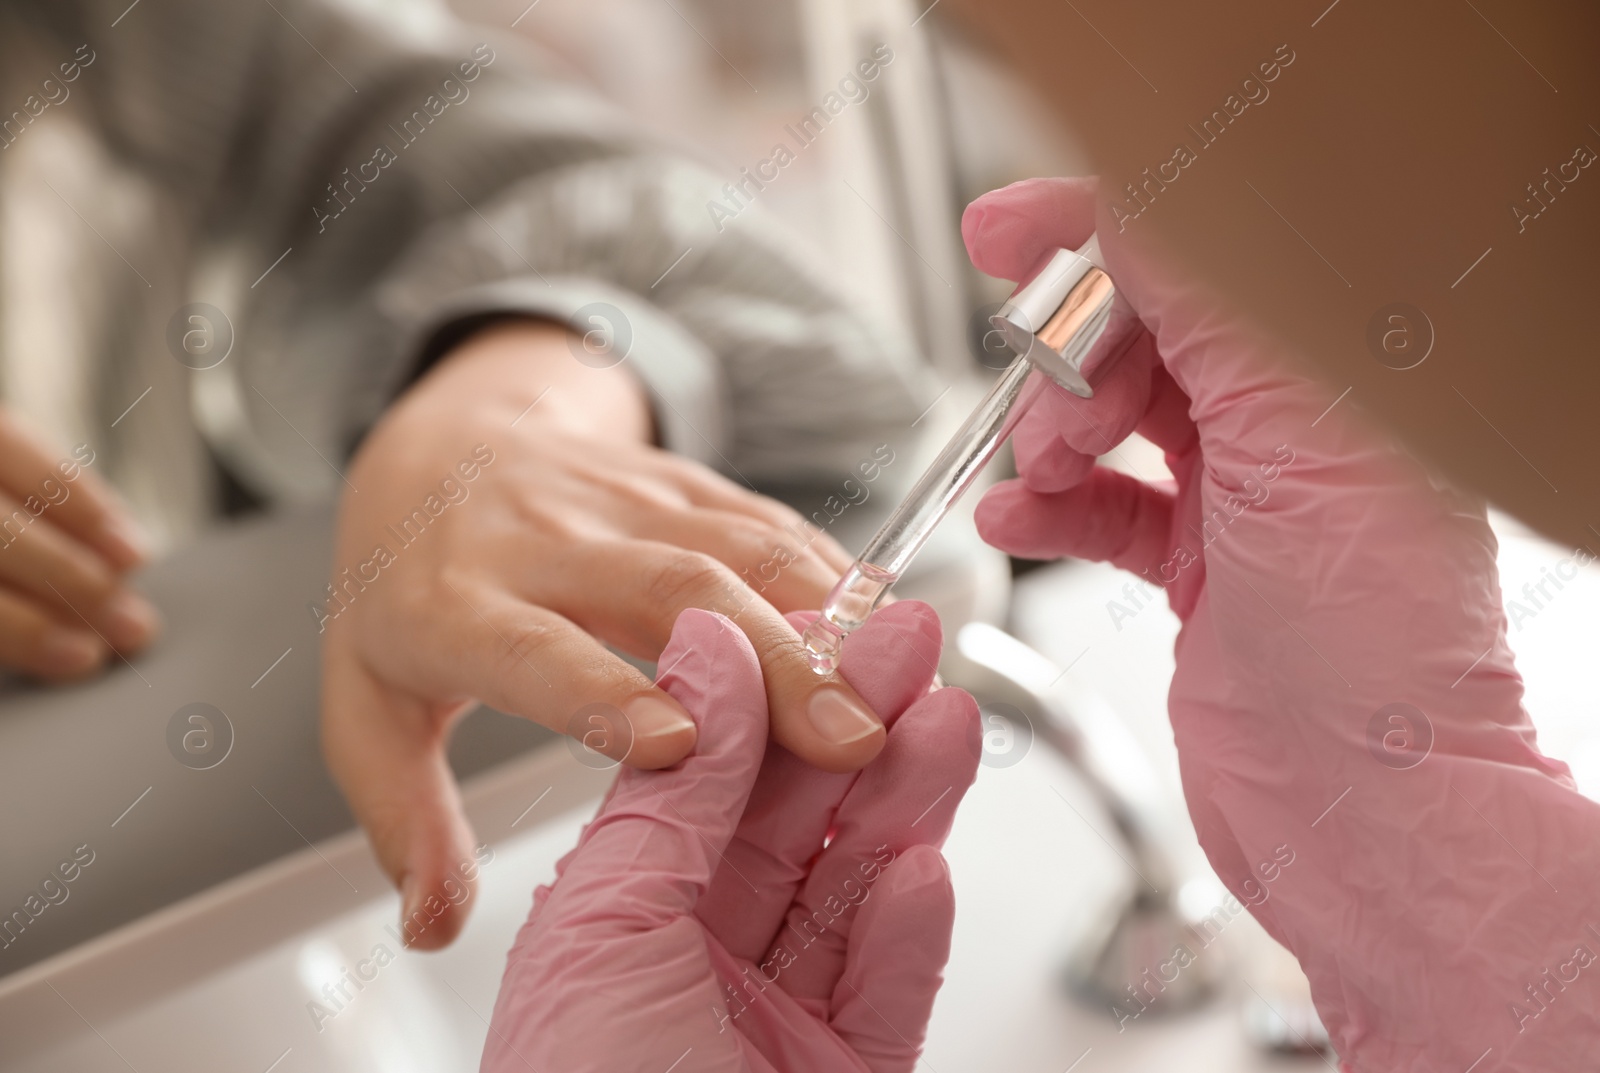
x=1344, y=158
x=67, y=545
x=575, y=534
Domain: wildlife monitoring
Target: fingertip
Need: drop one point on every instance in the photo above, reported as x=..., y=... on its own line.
x=961, y=708
x=961, y=705
x=443, y=932
x=1007, y=231
x=708, y=673
x=840, y=723
x=845, y=733
x=437, y=890
x=917, y=615
x=706, y=654
x=920, y=868
x=972, y=227
x=130, y=621
x=892, y=660
x=123, y=542
x=662, y=731
x=694, y=626
x=429, y=919
x=885, y=667
x=996, y=513
x=699, y=636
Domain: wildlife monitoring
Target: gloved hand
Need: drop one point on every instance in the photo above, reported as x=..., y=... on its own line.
x=1344, y=698
x=702, y=921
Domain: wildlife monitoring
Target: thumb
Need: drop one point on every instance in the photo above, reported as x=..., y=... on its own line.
x=386, y=751
x=1009, y=231
x=662, y=834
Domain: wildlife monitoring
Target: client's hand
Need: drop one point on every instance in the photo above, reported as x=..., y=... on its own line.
x=744, y=911
x=1346, y=709
x=513, y=522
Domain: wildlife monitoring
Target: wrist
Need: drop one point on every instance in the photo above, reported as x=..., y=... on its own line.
x=524, y=372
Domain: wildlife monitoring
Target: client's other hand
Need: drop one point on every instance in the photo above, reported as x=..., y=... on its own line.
x=67, y=544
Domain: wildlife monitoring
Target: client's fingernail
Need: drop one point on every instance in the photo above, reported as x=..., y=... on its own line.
x=654, y=718
x=64, y=651
x=410, y=906
x=840, y=719
x=128, y=540
x=130, y=620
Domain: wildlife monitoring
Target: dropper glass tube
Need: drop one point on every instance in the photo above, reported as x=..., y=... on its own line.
x=886, y=557
x=1070, y=299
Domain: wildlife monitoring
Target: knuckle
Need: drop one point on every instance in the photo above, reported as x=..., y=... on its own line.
x=683, y=577
x=530, y=641
x=756, y=541
x=826, y=543
x=784, y=516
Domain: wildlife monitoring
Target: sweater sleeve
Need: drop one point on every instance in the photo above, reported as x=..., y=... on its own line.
x=362, y=183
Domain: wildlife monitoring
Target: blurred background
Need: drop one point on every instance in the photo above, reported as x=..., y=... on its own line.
x=1077, y=873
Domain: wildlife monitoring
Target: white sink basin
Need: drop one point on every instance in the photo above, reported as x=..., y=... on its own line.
x=225, y=980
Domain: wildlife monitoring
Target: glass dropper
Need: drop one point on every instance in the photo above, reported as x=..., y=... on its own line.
x=1070, y=298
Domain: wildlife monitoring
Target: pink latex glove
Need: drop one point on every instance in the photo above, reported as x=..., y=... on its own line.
x=702, y=925
x=1444, y=890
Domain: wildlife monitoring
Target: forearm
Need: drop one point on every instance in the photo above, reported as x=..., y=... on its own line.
x=1257, y=165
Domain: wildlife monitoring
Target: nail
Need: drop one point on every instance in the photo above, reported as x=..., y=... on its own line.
x=839, y=719
x=130, y=621
x=653, y=717
x=69, y=652
x=916, y=870
x=127, y=539
x=410, y=906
